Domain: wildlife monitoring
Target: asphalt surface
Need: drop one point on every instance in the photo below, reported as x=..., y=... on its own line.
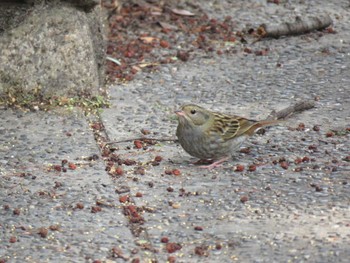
x=295, y=207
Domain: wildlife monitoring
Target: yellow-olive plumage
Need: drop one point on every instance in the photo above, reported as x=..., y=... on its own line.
x=211, y=135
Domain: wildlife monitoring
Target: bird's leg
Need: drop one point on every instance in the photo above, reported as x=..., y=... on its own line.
x=202, y=162
x=215, y=164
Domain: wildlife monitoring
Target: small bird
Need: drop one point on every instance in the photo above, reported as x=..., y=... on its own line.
x=211, y=135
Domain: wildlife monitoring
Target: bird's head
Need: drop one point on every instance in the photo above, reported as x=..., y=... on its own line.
x=192, y=114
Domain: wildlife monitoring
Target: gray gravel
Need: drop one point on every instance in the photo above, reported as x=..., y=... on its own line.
x=289, y=216
x=298, y=214
x=31, y=143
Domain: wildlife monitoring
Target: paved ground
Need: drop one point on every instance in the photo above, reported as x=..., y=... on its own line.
x=272, y=214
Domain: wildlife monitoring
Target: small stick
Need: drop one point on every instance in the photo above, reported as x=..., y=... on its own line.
x=141, y=139
x=286, y=112
x=301, y=25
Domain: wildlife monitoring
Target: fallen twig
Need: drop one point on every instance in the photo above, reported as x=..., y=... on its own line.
x=141, y=139
x=297, y=107
x=301, y=25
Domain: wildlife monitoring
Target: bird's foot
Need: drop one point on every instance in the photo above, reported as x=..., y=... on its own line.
x=215, y=164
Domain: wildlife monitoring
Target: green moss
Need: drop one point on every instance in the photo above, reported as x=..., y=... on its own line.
x=14, y=96
x=341, y=132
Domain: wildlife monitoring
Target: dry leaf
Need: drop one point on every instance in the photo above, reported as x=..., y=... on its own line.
x=146, y=65
x=156, y=13
x=167, y=25
x=148, y=40
x=182, y=12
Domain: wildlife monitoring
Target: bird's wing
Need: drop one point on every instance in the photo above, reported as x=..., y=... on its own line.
x=230, y=126
x=226, y=126
x=246, y=126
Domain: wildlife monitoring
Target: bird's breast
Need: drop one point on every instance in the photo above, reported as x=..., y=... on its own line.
x=203, y=145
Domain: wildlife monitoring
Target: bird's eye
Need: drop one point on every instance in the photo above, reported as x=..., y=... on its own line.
x=193, y=111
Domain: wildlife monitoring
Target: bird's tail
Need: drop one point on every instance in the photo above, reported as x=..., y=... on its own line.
x=260, y=124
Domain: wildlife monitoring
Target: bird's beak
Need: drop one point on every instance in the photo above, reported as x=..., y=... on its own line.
x=179, y=113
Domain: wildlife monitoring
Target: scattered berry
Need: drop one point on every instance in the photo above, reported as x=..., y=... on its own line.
x=96, y=209
x=119, y=170
x=43, y=232
x=164, y=240
x=201, y=251
x=252, y=168
x=301, y=127
x=57, y=168
x=13, y=239
x=306, y=159
x=164, y=44
x=54, y=227
x=158, y=158
x=284, y=165
x=316, y=128
x=79, y=206
x=17, y=211
x=239, y=168
x=244, y=199
x=198, y=228
x=138, y=144
x=124, y=199
x=298, y=160
x=145, y=131
x=329, y=134
x=176, y=172
x=72, y=166
x=172, y=247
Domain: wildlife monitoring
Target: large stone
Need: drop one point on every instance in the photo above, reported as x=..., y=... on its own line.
x=56, y=50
